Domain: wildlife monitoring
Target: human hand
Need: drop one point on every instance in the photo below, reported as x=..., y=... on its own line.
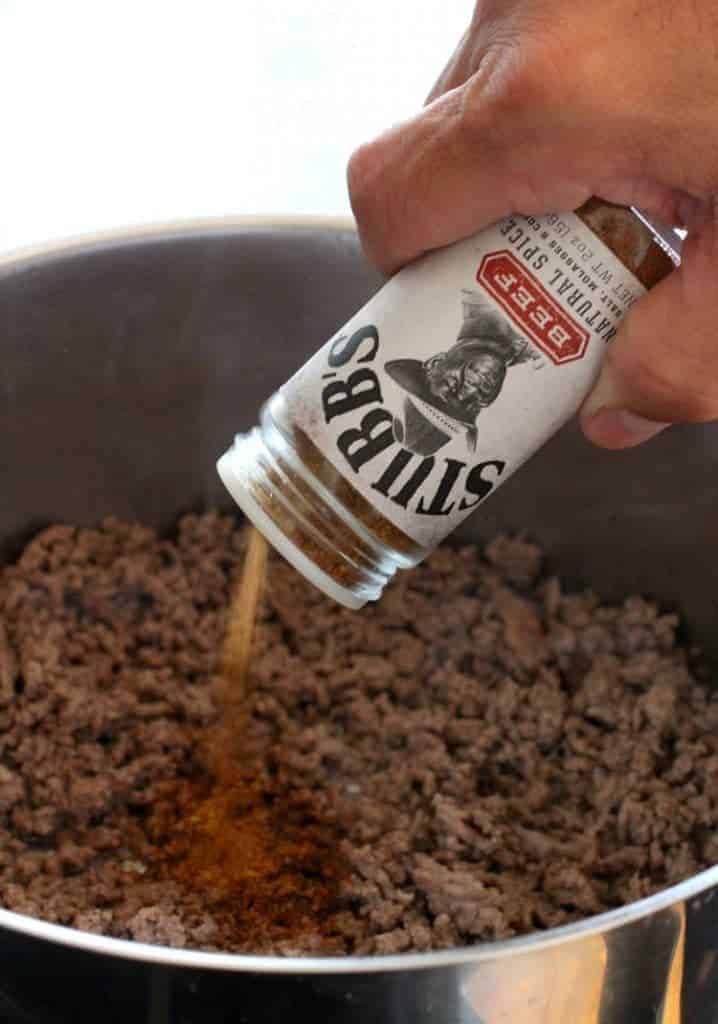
x=544, y=104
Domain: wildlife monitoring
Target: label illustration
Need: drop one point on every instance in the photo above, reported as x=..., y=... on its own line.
x=462, y=366
x=447, y=392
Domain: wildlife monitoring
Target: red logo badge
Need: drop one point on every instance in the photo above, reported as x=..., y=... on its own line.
x=531, y=307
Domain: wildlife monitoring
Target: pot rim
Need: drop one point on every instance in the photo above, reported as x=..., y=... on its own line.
x=537, y=942
x=20, y=258
x=23, y=258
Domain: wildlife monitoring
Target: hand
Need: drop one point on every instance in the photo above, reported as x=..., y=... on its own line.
x=544, y=104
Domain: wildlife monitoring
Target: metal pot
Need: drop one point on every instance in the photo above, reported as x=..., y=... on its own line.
x=127, y=364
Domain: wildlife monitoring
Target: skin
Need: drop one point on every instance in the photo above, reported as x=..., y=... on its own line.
x=543, y=104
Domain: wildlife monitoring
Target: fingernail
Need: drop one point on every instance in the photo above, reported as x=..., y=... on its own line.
x=605, y=395
x=606, y=421
x=620, y=428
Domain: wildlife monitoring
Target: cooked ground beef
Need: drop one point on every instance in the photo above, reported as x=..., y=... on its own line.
x=493, y=755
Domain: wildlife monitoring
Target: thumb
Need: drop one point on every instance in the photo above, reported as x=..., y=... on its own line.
x=663, y=366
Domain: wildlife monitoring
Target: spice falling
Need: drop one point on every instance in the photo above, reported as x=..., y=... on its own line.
x=269, y=869
x=242, y=621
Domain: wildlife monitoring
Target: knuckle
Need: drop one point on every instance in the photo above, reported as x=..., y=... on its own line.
x=529, y=83
x=368, y=202
x=539, y=60
x=361, y=170
x=517, y=98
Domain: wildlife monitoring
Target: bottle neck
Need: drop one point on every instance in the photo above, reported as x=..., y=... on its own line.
x=669, y=240
x=630, y=237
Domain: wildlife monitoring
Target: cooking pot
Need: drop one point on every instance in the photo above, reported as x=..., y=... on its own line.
x=128, y=362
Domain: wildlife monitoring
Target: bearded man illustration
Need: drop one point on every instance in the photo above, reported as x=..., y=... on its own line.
x=447, y=392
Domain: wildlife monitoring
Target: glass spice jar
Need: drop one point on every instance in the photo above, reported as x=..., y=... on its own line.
x=459, y=369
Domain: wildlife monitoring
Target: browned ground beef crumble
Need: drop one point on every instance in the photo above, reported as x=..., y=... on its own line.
x=497, y=755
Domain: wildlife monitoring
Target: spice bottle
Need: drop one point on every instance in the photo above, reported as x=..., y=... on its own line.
x=433, y=394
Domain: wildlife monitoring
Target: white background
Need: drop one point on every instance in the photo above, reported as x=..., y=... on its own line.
x=116, y=114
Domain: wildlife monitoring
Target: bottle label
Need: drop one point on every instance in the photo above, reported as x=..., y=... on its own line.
x=462, y=366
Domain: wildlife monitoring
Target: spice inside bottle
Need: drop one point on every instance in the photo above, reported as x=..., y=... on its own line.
x=450, y=377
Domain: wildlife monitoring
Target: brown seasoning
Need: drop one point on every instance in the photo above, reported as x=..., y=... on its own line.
x=265, y=866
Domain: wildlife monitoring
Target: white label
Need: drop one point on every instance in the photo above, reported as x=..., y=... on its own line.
x=462, y=366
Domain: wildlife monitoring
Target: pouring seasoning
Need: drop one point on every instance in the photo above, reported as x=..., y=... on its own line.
x=458, y=370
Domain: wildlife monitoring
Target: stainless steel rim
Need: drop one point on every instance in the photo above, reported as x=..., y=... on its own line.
x=129, y=950
x=470, y=955
x=18, y=259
